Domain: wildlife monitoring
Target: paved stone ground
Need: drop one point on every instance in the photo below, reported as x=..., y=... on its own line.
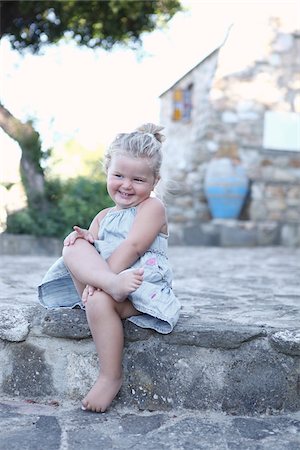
x=253, y=286
x=37, y=426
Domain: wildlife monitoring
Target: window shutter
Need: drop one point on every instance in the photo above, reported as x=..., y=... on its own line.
x=177, y=104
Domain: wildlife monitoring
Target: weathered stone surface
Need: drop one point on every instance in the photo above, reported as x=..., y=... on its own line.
x=240, y=236
x=213, y=335
x=29, y=432
x=290, y=235
x=261, y=381
x=30, y=375
x=66, y=323
x=81, y=371
x=268, y=233
x=36, y=426
x=202, y=234
x=14, y=324
x=250, y=380
x=287, y=342
x=218, y=356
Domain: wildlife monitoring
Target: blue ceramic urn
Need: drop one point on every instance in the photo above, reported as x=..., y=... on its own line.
x=226, y=186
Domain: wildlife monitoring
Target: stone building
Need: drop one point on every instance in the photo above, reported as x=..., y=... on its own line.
x=245, y=94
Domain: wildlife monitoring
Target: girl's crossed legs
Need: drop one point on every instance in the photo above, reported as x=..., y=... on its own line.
x=87, y=266
x=104, y=314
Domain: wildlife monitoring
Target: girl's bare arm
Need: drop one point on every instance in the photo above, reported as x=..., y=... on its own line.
x=149, y=221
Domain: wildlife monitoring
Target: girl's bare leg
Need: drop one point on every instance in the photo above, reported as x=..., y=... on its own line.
x=105, y=316
x=88, y=267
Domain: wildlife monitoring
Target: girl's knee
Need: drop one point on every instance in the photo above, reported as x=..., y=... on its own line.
x=101, y=302
x=68, y=252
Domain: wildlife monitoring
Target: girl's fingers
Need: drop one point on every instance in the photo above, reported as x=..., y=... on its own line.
x=79, y=230
x=91, y=290
x=84, y=295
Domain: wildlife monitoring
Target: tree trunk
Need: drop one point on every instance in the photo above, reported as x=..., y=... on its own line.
x=31, y=171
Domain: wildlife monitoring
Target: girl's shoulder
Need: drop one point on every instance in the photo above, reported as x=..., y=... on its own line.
x=153, y=203
x=154, y=207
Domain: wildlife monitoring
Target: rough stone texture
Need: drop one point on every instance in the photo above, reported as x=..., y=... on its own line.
x=213, y=335
x=234, y=349
x=252, y=379
x=30, y=374
x=287, y=342
x=32, y=426
x=14, y=324
x=68, y=324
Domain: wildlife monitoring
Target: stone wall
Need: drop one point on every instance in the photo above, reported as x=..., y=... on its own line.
x=184, y=149
x=232, y=90
x=23, y=244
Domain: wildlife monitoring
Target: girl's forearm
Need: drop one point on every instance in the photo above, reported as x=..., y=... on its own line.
x=123, y=257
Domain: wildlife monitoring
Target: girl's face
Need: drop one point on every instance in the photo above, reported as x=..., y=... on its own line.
x=129, y=180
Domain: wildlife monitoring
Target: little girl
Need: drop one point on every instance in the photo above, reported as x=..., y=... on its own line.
x=119, y=266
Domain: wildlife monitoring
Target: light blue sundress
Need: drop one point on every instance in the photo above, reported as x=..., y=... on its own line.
x=155, y=298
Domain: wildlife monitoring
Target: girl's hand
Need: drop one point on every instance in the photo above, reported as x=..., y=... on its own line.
x=78, y=233
x=88, y=290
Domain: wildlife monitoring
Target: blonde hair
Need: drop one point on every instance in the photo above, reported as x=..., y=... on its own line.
x=144, y=142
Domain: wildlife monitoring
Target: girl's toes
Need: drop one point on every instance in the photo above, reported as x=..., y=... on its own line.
x=84, y=405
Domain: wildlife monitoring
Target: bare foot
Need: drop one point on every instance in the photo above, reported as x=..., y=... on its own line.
x=125, y=283
x=102, y=394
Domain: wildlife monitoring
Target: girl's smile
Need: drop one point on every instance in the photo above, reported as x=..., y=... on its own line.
x=129, y=180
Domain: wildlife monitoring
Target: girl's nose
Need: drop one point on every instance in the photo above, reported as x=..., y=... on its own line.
x=126, y=183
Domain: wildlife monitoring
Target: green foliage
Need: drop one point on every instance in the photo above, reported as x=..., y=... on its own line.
x=20, y=222
x=32, y=24
x=73, y=202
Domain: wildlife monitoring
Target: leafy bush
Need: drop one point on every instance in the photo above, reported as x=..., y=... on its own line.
x=72, y=202
x=20, y=222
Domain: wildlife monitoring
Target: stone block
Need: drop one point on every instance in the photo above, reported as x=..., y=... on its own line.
x=259, y=381
x=66, y=323
x=202, y=234
x=290, y=235
x=214, y=335
x=287, y=342
x=258, y=210
x=14, y=324
x=268, y=233
x=238, y=236
x=30, y=375
x=249, y=380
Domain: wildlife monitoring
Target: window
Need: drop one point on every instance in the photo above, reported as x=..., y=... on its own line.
x=182, y=104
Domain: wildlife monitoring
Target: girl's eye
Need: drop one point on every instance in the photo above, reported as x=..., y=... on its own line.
x=139, y=180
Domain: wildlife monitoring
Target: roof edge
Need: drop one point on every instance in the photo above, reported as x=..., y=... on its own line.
x=216, y=49
x=191, y=70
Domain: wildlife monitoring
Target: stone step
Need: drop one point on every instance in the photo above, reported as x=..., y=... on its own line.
x=236, y=233
x=235, y=369
x=235, y=349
